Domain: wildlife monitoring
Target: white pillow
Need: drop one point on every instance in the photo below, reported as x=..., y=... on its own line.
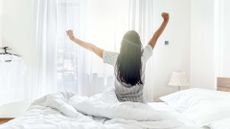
x=206, y=111
x=200, y=105
x=183, y=100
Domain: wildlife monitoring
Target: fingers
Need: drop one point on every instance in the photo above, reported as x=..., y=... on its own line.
x=69, y=32
x=165, y=15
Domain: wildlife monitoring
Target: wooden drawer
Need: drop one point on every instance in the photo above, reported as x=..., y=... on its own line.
x=4, y=120
x=223, y=84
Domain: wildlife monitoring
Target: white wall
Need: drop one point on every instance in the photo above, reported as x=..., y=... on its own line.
x=224, y=39
x=203, y=67
x=1, y=22
x=175, y=56
x=17, y=29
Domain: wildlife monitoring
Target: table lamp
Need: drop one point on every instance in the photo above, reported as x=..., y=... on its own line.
x=178, y=79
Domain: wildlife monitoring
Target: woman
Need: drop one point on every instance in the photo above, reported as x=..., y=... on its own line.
x=129, y=64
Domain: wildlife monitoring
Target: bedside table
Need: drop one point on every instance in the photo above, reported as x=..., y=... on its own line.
x=4, y=120
x=12, y=110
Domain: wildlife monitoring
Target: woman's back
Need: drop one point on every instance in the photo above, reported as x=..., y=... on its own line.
x=128, y=92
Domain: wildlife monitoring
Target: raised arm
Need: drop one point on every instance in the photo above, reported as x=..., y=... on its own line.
x=98, y=51
x=159, y=31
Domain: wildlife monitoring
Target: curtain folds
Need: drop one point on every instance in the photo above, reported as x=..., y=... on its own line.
x=63, y=65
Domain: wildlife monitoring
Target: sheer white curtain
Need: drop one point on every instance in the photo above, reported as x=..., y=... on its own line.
x=63, y=65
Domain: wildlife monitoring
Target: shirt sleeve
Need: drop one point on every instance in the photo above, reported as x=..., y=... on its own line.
x=147, y=53
x=110, y=57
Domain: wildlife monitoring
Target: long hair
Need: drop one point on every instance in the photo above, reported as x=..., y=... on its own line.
x=128, y=66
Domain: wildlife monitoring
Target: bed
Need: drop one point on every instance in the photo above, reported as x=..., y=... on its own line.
x=187, y=109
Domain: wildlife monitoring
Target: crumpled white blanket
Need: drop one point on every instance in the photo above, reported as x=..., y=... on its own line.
x=102, y=111
x=107, y=105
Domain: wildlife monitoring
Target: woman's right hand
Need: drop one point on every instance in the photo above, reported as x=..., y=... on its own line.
x=165, y=16
x=70, y=34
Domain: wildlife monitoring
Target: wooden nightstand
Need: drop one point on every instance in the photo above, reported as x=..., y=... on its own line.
x=4, y=120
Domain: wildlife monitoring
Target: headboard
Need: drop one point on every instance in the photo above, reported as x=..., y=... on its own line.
x=223, y=84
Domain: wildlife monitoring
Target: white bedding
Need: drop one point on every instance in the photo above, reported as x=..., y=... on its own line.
x=200, y=106
x=161, y=106
x=220, y=124
x=103, y=111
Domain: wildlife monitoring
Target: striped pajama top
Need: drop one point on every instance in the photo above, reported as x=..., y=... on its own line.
x=126, y=92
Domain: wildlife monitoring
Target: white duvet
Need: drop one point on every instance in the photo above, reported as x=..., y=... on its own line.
x=102, y=111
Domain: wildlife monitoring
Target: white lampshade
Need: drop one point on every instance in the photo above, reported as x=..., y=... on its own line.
x=178, y=79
